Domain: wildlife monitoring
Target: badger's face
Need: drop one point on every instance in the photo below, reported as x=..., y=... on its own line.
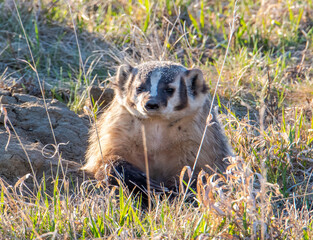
x=160, y=89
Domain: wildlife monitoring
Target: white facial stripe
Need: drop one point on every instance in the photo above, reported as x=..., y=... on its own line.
x=154, y=79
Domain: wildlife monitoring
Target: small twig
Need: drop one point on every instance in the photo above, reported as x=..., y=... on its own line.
x=76, y=38
x=81, y=63
x=7, y=120
x=144, y=141
x=303, y=57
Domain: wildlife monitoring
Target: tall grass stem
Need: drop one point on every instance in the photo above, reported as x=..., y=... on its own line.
x=232, y=29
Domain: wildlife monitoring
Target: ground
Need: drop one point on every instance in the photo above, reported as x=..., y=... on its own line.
x=28, y=117
x=264, y=97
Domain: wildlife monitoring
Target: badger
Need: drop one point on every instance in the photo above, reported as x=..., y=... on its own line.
x=171, y=103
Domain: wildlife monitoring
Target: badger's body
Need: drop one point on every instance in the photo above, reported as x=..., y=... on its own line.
x=172, y=104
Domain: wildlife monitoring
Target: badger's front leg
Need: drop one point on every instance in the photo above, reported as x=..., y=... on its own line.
x=118, y=169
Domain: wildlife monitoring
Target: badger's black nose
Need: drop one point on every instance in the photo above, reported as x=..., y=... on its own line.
x=152, y=105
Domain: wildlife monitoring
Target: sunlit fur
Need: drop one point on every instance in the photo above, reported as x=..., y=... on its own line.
x=173, y=136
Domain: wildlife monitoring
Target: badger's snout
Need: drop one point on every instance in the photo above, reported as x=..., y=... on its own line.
x=152, y=104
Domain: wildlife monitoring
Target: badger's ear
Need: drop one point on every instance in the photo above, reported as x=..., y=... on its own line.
x=122, y=76
x=195, y=82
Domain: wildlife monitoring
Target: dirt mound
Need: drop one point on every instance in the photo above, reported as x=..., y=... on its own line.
x=32, y=145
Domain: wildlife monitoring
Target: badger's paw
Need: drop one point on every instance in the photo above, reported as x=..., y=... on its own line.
x=121, y=171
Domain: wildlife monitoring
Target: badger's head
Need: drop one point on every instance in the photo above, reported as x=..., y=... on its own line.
x=160, y=89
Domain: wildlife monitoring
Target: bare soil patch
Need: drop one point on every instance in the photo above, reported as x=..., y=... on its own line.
x=29, y=119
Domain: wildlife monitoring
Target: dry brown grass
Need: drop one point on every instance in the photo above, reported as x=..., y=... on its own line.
x=265, y=99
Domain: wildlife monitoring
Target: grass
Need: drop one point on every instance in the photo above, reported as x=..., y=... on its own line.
x=265, y=99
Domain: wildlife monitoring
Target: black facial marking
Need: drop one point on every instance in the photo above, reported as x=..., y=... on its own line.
x=179, y=128
x=140, y=89
x=204, y=88
x=163, y=95
x=169, y=91
x=194, y=85
x=182, y=96
x=168, y=75
x=146, y=82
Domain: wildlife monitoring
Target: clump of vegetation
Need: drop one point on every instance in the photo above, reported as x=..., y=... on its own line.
x=265, y=98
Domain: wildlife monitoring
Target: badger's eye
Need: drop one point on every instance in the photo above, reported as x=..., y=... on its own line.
x=139, y=90
x=169, y=90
